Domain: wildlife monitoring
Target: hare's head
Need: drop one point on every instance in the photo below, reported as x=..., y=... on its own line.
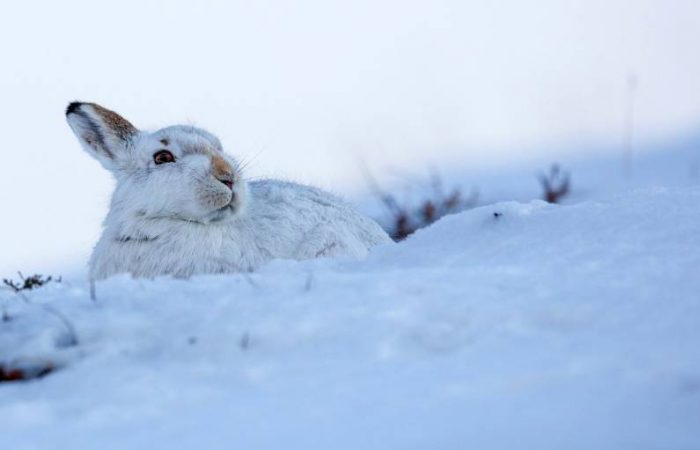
x=179, y=172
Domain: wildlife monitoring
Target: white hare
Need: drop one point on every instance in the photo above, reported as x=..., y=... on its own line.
x=181, y=206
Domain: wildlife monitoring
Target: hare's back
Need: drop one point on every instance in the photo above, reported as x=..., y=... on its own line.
x=310, y=215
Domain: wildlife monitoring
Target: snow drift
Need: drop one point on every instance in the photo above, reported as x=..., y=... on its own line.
x=514, y=325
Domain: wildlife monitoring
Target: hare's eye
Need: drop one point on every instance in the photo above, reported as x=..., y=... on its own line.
x=163, y=156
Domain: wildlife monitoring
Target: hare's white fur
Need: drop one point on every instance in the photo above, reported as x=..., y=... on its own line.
x=197, y=214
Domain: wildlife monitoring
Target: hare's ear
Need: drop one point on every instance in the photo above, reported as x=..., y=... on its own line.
x=102, y=133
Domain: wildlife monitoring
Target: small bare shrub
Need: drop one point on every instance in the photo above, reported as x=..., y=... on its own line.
x=406, y=219
x=555, y=184
x=28, y=283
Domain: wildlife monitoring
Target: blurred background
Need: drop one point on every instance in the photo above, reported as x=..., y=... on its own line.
x=313, y=91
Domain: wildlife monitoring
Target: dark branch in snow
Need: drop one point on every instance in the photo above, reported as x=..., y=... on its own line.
x=25, y=372
x=555, y=184
x=405, y=220
x=28, y=283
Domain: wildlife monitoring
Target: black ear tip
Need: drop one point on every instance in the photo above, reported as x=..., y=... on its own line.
x=73, y=107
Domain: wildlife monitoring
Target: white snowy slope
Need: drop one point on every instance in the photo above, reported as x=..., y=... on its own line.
x=539, y=327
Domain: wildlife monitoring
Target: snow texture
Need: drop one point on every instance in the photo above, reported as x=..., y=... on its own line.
x=514, y=325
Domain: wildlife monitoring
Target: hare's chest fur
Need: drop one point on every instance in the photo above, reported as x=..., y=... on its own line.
x=281, y=220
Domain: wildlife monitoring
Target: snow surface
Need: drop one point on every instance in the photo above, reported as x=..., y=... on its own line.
x=542, y=327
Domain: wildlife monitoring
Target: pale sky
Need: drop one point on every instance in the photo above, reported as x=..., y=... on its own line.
x=306, y=89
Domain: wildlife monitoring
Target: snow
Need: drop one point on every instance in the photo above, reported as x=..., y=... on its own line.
x=542, y=326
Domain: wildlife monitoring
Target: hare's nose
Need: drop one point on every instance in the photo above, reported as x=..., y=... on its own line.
x=227, y=181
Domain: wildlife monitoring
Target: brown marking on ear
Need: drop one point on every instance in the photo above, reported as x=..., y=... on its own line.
x=220, y=167
x=165, y=141
x=116, y=123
